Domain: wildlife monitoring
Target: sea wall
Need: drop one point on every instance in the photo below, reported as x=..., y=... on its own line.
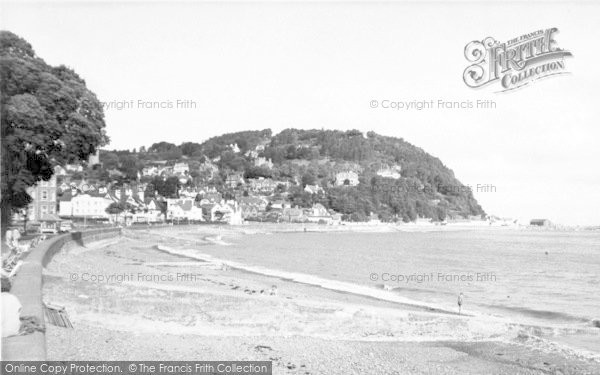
x=27, y=287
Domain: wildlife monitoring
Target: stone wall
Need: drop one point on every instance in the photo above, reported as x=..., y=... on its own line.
x=27, y=287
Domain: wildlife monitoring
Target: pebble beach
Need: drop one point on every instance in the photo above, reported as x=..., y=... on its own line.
x=127, y=298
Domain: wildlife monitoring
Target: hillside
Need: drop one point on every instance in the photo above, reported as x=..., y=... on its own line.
x=395, y=179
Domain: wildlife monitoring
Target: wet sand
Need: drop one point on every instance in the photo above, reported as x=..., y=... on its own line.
x=130, y=300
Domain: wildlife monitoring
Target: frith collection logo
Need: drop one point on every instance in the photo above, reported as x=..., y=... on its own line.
x=515, y=63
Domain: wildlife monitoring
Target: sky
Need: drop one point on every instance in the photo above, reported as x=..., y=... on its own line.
x=257, y=65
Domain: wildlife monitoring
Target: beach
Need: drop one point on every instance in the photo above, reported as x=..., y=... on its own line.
x=176, y=294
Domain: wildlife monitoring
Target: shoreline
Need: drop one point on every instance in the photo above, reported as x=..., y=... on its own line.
x=226, y=310
x=251, y=227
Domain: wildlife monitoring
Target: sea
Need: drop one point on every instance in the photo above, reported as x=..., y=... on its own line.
x=545, y=279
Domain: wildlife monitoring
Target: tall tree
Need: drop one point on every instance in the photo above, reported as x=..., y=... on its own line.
x=48, y=117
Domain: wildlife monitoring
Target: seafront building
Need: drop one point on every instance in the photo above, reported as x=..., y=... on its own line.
x=84, y=206
x=43, y=205
x=200, y=198
x=185, y=208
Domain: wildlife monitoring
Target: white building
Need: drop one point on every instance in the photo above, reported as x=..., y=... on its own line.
x=313, y=189
x=263, y=162
x=60, y=171
x=390, y=172
x=181, y=168
x=94, y=159
x=226, y=213
x=318, y=213
x=150, y=171
x=74, y=168
x=85, y=205
x=151, y=213
x=183, y=209
x=349, y=178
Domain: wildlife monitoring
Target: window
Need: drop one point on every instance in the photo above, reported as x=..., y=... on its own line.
x=44, y=209
x=44, y=195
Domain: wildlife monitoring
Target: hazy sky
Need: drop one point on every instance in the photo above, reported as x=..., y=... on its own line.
x=319, y=65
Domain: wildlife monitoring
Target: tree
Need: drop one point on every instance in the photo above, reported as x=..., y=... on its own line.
x=256, y=172
x=117, y=208
x=168, y=188
x=129, y=166
x=110, y=160
x=48, y=117
x=308, y=179
x=242, y=144
x=189, y=148
x=162, y=147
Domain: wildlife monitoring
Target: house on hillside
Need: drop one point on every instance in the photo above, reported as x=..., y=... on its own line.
x=251, y=154
x=262, y=185
x=115, y=173
x=348, y=178
x=188, y=192
x=234, y=179
x=181, y=168
x=165, y=171
x=258, y=202
x=208, y=169
x=150, y=171
x=74, y=168
x=390, y=172
x=211, y=198
x=313, y=189
x=263, y=162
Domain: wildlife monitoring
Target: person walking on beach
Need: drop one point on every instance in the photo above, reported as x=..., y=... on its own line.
x=460, y=302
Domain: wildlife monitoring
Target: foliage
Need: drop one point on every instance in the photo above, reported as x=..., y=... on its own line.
x=167, y=188
x=427, y=188
x=48, y=117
